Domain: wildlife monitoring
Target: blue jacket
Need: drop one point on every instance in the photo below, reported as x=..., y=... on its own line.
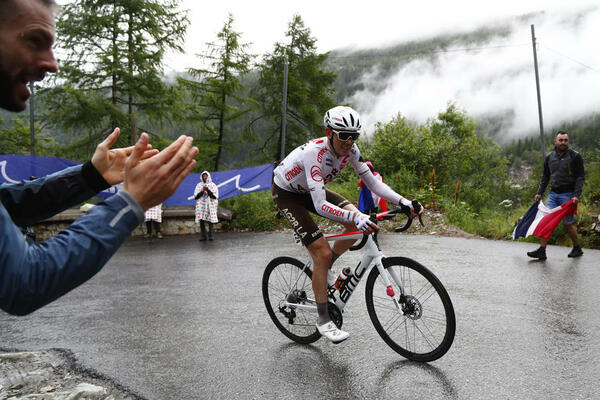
x=32, y=276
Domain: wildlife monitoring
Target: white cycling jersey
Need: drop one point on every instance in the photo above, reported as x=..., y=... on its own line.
x=308, y=168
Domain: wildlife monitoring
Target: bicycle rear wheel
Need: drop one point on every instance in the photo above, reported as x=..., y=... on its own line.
x=424, y=330
x=286, y=281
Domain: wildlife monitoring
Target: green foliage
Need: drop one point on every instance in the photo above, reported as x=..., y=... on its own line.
x=310, y=91
x=112, y=67
x=591, y=188
x=447, y=148
x=216, y=98
x=253, y=211
x=15, y=138
x=493, y=223
x=584, y=136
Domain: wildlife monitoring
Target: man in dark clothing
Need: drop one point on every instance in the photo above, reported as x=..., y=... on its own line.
x=563, y=168
x=35, y=274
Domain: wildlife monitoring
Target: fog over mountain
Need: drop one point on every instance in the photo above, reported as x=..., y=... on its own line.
x=493, y=79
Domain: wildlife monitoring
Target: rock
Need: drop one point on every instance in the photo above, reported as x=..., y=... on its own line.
x=87, y=391
x=47, y=389
x=54, y=374
x=17, y=356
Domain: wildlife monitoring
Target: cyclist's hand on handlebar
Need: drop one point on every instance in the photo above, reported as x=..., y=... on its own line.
x=364, y=224
x=419, y=209
x=415, y=207
x=412, y=209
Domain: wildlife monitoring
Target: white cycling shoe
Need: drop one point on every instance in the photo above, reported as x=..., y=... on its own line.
x=331, y=332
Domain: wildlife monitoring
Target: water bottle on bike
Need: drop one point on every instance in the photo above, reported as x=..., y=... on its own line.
x=408, y=305
x=343, y=278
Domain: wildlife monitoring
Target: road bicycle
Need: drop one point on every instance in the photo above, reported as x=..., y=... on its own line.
x=408, y=305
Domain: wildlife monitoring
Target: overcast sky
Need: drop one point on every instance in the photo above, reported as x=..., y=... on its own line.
x=338, y=24
x=498, y=79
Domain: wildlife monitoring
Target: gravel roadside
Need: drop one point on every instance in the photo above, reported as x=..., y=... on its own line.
x=54, y=374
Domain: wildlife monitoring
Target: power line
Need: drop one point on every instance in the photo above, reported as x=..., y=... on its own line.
x=569, y=58
x=432, y=52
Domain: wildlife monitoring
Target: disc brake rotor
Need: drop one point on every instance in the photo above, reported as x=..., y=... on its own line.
x=412, y=308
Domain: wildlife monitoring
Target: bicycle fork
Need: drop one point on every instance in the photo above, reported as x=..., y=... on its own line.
x=383, y=275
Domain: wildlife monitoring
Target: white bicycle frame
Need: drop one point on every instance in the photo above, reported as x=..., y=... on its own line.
x=372, y=254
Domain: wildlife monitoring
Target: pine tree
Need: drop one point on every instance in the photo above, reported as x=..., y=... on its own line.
x=111, y=64
x=310, y=91
x=216, y=98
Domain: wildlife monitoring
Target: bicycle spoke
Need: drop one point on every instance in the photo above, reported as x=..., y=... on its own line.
x=286, y=279
x=397, y=317
x=424, y=331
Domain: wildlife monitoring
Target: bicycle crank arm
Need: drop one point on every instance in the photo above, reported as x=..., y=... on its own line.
x=305, y=307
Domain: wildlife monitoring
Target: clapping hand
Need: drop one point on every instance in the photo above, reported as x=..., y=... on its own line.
x=153, y=180
x=110, y=163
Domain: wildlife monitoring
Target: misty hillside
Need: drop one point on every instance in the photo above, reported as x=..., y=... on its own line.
x=489, y=72
x=476, y=69
x=382, y=63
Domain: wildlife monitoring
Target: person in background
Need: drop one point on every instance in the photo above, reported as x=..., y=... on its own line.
x=369, y=202
x=207, y=202
x=33, y=275
x=563, y=169
x=153, y=217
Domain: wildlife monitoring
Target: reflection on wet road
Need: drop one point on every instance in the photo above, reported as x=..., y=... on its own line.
x=180, y=319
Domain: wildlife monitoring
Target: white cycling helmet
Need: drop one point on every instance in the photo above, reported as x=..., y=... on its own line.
x=342, y=118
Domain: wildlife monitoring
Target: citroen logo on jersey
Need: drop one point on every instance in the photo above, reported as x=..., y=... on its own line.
x=292, y=173
x=316, y=174
x=320, y=155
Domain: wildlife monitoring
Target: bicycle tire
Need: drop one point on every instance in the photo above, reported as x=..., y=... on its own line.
x=430, y=314
x=279, y=276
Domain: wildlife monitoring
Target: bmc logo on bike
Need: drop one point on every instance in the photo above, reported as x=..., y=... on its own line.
x=316, y=174
x=292, y=173
x=349, y=287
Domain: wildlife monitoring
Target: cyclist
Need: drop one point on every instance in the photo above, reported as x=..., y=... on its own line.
x=299, y=187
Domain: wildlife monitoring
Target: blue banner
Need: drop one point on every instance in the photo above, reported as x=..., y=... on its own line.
x=15, y=168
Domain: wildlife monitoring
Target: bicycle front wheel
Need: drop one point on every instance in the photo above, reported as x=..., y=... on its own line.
x=285, y=283
x=423, y=329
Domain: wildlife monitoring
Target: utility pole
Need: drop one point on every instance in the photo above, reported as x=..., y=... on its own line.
x=31, y=122
x=539, y=97
x=284, y=106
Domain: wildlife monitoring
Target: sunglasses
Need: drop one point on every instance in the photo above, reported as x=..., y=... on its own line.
x=344, y=136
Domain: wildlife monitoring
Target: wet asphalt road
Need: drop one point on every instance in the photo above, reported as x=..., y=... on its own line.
x=179, y=319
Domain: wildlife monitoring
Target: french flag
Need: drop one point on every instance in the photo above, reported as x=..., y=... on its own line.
x=541, y=221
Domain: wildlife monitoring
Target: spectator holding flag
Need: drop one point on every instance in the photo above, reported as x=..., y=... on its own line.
x=563, y=169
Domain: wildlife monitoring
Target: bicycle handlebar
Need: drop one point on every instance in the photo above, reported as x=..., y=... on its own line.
x=391, y=214
x=406, y=210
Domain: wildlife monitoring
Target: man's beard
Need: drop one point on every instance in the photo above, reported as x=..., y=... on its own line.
x=7, y=95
